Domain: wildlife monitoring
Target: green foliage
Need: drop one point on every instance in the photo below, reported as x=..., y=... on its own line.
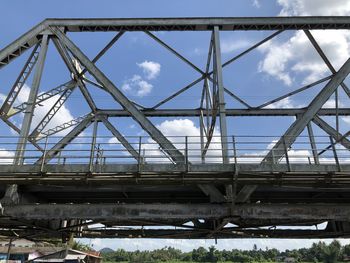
x=318, y=252
x=331, y=253
x=81, y=247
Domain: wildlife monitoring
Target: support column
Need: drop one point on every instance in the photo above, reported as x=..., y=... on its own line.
x=221, y=99
x=28, y=115
x=313, y=143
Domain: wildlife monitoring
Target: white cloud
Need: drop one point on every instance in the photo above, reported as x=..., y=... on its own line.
x=314, y=7
x=175, y=131
x=296, y=57
x=274, y=63
x=256, y=3
x=285, y=103
x=113, y=140
x=6, y=157
x=330, y=104
x=63, y=115
x=151, y=69
x=230, y=45
x=198, y=51
x=138, y=85
x=295, y=156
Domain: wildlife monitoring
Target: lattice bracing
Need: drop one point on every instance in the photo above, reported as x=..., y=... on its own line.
x=85, y=170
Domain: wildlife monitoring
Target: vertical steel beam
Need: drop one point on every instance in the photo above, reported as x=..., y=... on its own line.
x=312, y=143
x=221, y=94
x=93, y=144
x=221, y=99
x=28, y=115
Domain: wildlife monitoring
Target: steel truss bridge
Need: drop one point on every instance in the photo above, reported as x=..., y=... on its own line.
x=215, y=185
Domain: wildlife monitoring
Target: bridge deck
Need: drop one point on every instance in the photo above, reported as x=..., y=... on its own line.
x=207, y=186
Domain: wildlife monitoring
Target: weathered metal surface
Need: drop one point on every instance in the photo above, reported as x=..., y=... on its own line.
x=55, y=191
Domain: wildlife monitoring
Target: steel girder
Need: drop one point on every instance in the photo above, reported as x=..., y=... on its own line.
x=277, y=152
x=208, y=180
x=125, y=212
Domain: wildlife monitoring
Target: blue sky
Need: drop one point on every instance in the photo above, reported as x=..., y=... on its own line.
x=147, y=73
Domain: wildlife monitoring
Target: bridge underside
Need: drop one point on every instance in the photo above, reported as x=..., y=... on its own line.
x=208, y=185
x=305, y=201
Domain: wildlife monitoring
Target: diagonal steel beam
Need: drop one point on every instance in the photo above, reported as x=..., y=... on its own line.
x=235, y=97
x=325, y=58
x=68, y=61
x=98, y=85
x=294, y=92
x=20, y=45
x=58, y=147
x=215, y=195
x=278, y=151
x=245, y=193
x=251, y=48
x=62, y=88
x=63, y=126
x=43, y=97
x=18, y=130
x=20, y=81
x=332, y=132
x=174, y=52
x=146, y=124
x=205, y=102
x=120, y=138
x=177, y=93
x=105, y=49
x=207, y=73
x=51, y=113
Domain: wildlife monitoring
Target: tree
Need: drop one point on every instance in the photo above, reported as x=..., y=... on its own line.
x=331, y=253
x=199, y=254
x=80, y=246
x=121, y=255
x=212, y=255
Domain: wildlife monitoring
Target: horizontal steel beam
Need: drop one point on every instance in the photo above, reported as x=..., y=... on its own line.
x=178, y=233
x=200, y=234
x=200, y=23
x=229, y=112
x=158, y=211
x=307, y=175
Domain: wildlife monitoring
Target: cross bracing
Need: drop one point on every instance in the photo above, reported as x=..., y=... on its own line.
x=215, y=184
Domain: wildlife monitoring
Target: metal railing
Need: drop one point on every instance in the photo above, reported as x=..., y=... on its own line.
x=240, y=149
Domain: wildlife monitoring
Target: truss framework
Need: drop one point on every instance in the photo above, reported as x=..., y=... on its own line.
x=218, y=193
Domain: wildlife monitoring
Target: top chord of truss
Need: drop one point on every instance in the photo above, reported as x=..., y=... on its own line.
x=201, y=23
